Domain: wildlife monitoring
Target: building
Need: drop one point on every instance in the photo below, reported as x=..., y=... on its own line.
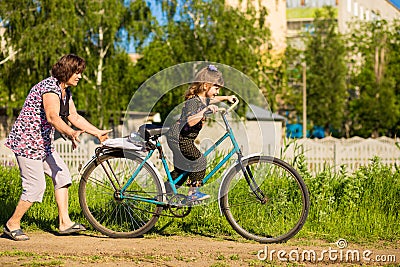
x=300, y=17
x=366, y=10
x=310, y=3
x=301, y=14
x=276, y=20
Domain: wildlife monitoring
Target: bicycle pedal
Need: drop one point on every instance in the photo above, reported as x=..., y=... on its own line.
x=194, y=203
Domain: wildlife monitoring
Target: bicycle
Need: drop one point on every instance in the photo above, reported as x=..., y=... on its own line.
x=122, y=194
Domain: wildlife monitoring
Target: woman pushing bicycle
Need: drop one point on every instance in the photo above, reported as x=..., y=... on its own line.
x=199, y=99
x=47, y=108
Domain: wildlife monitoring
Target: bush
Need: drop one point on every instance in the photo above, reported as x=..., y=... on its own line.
x=362, y=206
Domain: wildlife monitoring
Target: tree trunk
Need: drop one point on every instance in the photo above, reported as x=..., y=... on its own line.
x=99, y=78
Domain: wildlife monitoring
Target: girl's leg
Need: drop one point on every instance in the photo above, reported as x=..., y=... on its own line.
x=198, y=164
x=178, y=160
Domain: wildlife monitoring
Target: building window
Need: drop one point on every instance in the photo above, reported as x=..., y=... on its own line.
x=367, y=15
x=311, y=3
x=349, y=6
x=356, y=9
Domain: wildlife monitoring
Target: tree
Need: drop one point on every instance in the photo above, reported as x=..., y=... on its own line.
x=392, y=70
x=203, y=31
x=326, y=72
x=291, y=79
x=43, y=30
x=374, y=108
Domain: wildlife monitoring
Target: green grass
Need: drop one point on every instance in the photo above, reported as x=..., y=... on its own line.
x=41, y=216
x=361, y=207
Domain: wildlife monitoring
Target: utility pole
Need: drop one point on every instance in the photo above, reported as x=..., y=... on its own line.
x=304, y=100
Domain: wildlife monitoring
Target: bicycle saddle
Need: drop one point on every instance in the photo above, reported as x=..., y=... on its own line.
x=150, y=130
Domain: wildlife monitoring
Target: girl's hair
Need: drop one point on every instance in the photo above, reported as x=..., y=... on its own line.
x=207, y=75
x=67, y=66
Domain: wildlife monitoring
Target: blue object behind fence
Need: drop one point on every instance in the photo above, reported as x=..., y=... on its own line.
x=318, y=132
x=295, y=130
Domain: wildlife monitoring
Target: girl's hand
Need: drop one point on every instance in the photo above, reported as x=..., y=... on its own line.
x=212, y=108
x=231, y=98
x=102, y=135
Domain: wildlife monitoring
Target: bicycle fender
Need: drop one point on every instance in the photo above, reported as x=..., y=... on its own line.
x=82, y=169
x=228, y=170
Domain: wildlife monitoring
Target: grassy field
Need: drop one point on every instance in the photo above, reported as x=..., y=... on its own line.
x=362, y=207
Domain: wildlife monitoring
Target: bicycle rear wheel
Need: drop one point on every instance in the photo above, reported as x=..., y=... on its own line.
x=110, y=212
x=279, y=213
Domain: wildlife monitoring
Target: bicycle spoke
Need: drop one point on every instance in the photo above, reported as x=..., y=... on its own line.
x=283, y=209
x=115, y=213
x=105, y=214
x=129, y=211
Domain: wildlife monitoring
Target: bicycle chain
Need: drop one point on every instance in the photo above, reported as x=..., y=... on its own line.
x=166, y=207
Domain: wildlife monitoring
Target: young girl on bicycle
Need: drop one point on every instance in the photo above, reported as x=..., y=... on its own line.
x=199, y=98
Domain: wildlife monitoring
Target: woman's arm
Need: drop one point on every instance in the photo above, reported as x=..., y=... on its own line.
x=51, y=105
x=81, y=123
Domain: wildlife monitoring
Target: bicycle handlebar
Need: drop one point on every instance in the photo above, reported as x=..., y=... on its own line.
x=235, y=103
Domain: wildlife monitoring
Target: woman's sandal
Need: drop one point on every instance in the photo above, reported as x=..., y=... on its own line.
x=75, y=228
x=17, y=235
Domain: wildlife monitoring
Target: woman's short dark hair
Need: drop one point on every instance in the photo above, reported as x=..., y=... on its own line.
x=67, y=66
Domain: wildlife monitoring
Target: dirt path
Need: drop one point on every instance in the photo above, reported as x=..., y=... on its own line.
x=47, y=249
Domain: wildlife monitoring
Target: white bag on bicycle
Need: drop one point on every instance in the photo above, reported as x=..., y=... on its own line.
x=133, y=142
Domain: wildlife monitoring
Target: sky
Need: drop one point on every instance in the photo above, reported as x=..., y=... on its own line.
x=396, y=3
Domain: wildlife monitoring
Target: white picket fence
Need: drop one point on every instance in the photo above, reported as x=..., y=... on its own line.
x=319, y=153
x=352, y=153
x=75, y=159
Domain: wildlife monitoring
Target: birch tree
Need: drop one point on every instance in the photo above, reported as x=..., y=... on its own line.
x=44, y=30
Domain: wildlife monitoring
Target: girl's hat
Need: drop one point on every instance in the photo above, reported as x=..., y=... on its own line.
x=209, y=74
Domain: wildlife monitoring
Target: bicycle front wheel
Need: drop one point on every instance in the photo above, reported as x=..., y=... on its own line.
x=274, y=208
x=111, y=211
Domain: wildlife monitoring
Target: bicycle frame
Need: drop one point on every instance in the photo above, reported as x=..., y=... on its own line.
x=123, y=194
x=235, y=150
